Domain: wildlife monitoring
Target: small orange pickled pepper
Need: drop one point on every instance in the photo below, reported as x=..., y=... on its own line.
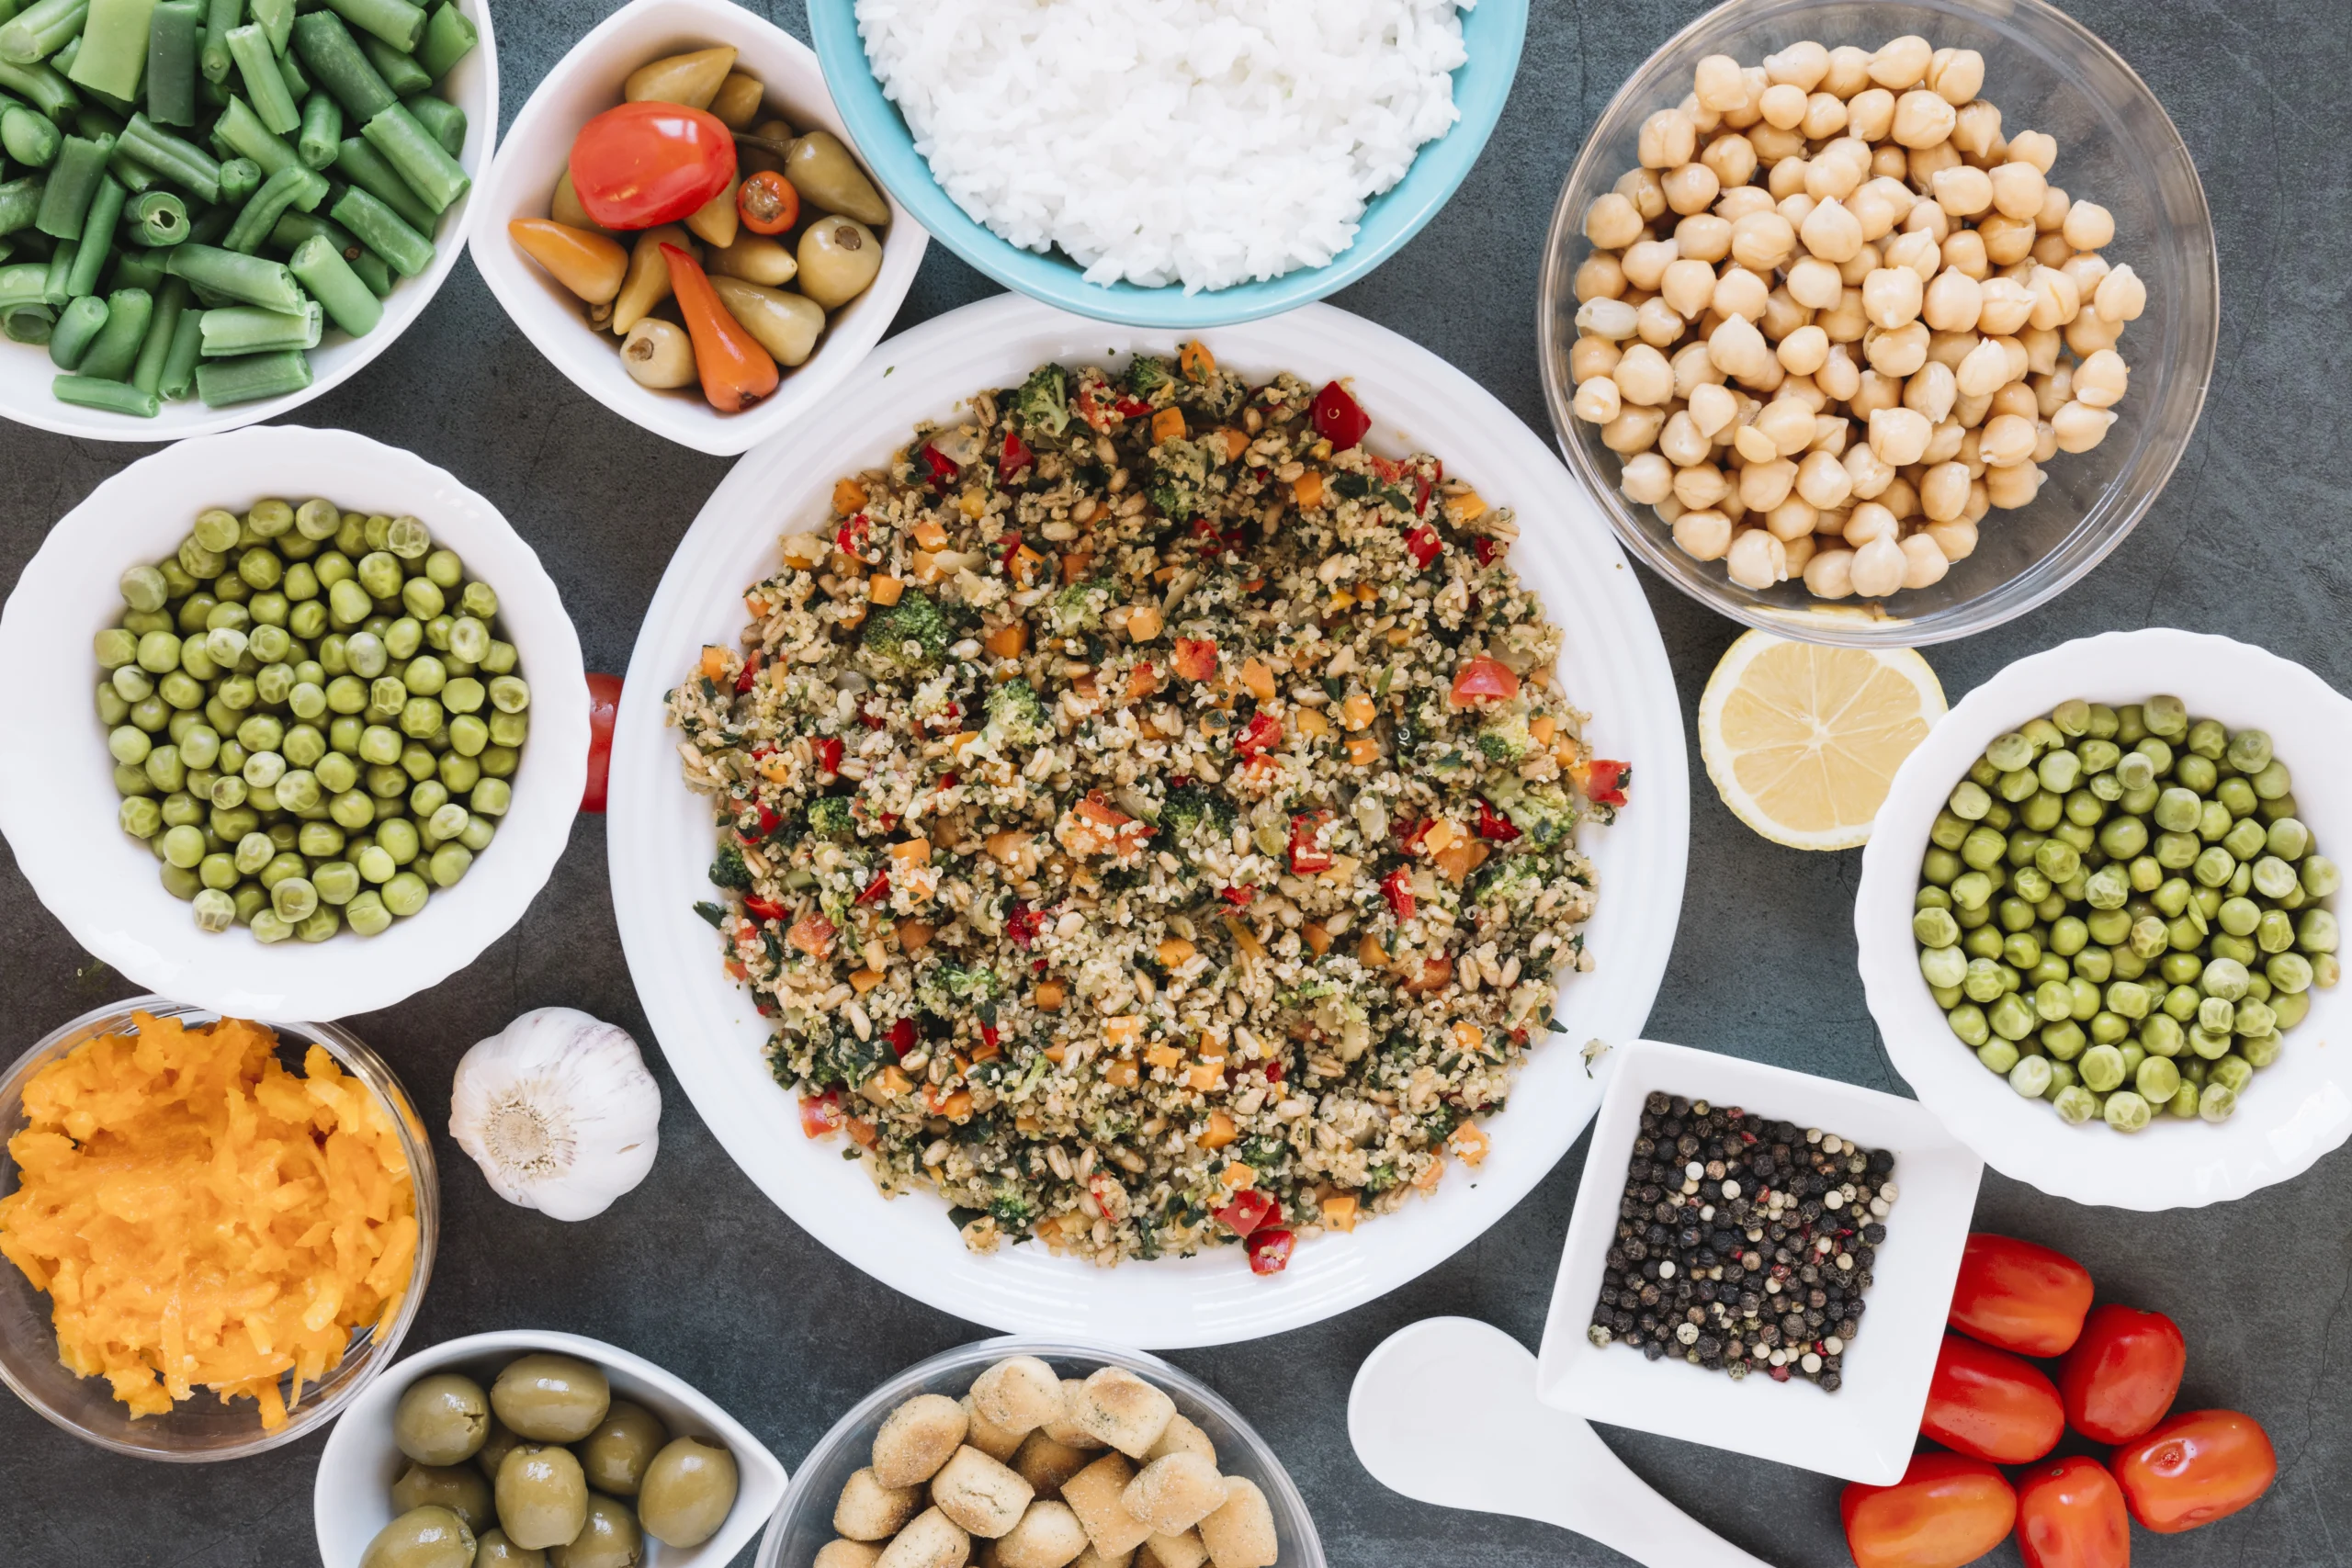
x=735, y=371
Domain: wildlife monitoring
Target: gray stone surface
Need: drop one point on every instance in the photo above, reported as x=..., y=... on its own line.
x=698, y=1271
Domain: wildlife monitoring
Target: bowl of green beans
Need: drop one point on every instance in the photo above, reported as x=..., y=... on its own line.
x=318, y=723
x=212, y=211
x=2096, y=921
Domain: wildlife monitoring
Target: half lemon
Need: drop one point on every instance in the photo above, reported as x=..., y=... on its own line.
x=1802, y=740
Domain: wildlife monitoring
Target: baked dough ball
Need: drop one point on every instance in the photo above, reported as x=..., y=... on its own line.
x=1045, y=1463
x=846, y=1554
x=931, y=1540
x=1241, y=1533
x=1121, y=1410
x=1184, y=1551
x=1048, y=1536
x=997, y=1443
x=1174, y=1494
x=871, y=1511
x=917, y=1439
x=1021, y=1393
x=1182, y=1437
x=1093, y=1494
x=1064, y=1427
x=979, y=1494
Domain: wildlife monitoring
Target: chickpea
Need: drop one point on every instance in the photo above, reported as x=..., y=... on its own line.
x=1822, y=481
x=1772, y=144
x=1691, y=189
x=1873, y=214
x=2018, y=189
x=1702, y=236
x=1646, y=261
x=2053, y=391
x=1669, y=510
x=1786, y=178
x=1597, y=401
x=2055, y=300
x=2038, y=148
x=1783, y=315
x=1918, y=253
x=1943, y=491
x=2121, y=296
x=1762, y=242
x=1607, y=318
x=1644, y=376
x=1832, y=178
x=1750, y=445
x=1871, y=476
x=1830, y=526
x=1929, y=392
x=1980, y=502
x=1806, y=391
x=1870, y=115
x=2007, y=241
x=1796, y=209
x=1825, y=116
x=2045, y=441
x=1613, y=223
x=2100, y=380
x=1798, y=552
x=1704, y=121
x=1763, y=486
x=1737, y=204
x=1867, y=260
x=1956, y=75
x=1680, y=444
x=1840, y=377
x=1944, y=444
x=1899, y=436
x=1892, y=296
x=1814, y=284
x=1956, y=538
x=1783, y=106
x=1694, y=369
x=1964, y=192
x=2088, y=270
x=1849, y=71
x=1701, y=485
x=2078, y=427
x=1832, y=232
x=2011, y=488
x=1984, y=371
x=1952, y=302
x=2004, y=306
x=2051, y=250
x=2041, y=345
x=1922, y=119
x=1635, y=430
x=1901, y=63
x=1739, y=292
x=1878, y=569
x=1591, y=356
x=1926, y=218
x=1703, y=536
x=1891, y=162
x=2090, y=332
x=1641, y=187
x=1975, y=127
x=1830, y=574
x=1947, y=349
x=1733, y=157
x=1657, y=323
x=2015, y=401
x=1804, y=351
x=1600, y=277
x=1787, y=423
x=2007, y=441
x=1738, y=350
x=1648, y=479
x=1757, y=559
x=1929, y=162
x=1896, y=353
x=1801, y=65
x=1720, y=83
x=1923, y=561
x=1667, y=138
x=1964, y=252
x=1711, y=410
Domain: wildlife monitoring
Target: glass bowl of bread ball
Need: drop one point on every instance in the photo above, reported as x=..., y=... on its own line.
x=1878, y=324
x=1039, y=1453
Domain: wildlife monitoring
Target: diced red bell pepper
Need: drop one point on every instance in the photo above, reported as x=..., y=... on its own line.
x=988, y=1034
x=829, y=754
x=769, y=823
x=1131, y=408
x=878, y=889
x=1339, y=418
x=1486, y=549
x=1015, y=456
x=1493, y=826
x=1306, y=856
x=821, y=1114
x=751, y=672
x=1387, y=471
x=850, y=538
x=1421, y=487
x=948, y=781
x=1397, y=888
x=1261, y=734
x=1275, y=1070
x=762, y=909
x=1269, y=1249
x=1422, y=544
x=1022, y=924
x=903, y=1036
x=1195, y=657
x=1240, y=894
x=1482, y=679
x=1249, y=1210
x=1605, y=782
x=939, y=467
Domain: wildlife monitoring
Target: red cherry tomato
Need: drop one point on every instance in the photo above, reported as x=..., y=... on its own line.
x=2070, y=1515
x=604, y=704
x=1990, y=1404
x=1270, y=1248
x=1947, y=1510
x=2019, y=1296
x=1248, y=1211
x=1481, y=679
x=2122, y=1375
x=2194, y=1469
x=644, y=165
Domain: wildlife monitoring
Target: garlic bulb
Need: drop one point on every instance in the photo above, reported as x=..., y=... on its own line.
x=558, y=1111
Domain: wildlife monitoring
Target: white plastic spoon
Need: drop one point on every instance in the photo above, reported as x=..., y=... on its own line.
x=1444, y=1412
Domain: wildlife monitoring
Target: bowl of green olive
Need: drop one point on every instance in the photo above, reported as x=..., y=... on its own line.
x=316, y=721
x=2097, y=921
x=523, y=1447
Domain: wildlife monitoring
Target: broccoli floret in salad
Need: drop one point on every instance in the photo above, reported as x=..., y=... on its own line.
x=948, y=988
x=1542, y=811
x=829, y=816
x=906, y=640
x=1510, y=883
x=1041, y=405
x=1016, y=715
x=1189, y=805
x=1078, y=608
x=729, y=870
x=1147, y=374
x=1503, y=739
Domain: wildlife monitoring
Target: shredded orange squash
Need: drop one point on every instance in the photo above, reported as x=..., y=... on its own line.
x=202, y=1217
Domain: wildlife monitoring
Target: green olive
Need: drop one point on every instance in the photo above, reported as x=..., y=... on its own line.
x=689, y=1489
x=441, y=1419
x=609, y=1538
x=496, y=1552
x=499, y=1442
x=624, y=1443
x=421, y=1538
x=839, y=256
x=828, y=179
x=457, y=1487
x=542, y=1496
x=549, y=1398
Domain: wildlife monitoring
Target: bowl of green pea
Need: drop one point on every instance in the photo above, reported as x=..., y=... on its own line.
x=2097, y=922
x=317, y=723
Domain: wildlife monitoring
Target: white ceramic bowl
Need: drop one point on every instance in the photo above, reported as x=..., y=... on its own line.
x=1614, y=666
x=2297, y=1108
x=57, y=798
x=1866, y=1429
x=804, y=1523
x=25, y=372
x=352, y=1498
x=583, y=85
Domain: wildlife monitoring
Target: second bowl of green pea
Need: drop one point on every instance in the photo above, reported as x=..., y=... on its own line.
x=2094, y=924
x=318, y=723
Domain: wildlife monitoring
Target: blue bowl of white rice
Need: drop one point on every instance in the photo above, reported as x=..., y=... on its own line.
x=1170, y=163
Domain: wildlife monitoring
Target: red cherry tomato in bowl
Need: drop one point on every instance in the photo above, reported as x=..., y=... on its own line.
x=2019, y=1296
x=644, y=165
x=1947, y=1510
x=2122, y=1375
x=2070, y=1515
x=1990, y=1404
x=2194, y=1469
x=603, y=706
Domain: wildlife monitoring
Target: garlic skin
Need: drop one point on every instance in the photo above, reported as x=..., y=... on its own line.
x=558, y=1111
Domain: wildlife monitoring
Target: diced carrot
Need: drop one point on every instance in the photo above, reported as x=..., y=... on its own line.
x=1142, y=681
x=1074, y=565
x=1163, y=1056
x=1464, y=509
x=1340, y=1213
x=884, y=589
x=1168, y=425
x=852, y=618
x=1316, y=937
x=1204, y=1077
x=1174, y=951
x=1004, y=848
x=1460, y=858
x=1370, y=953
x=812, y=935
x=1468, y=1036
x=1195, y=362
x=914, y=851
x=1049, y=995
x=756, y=605
x=1238, y=1177
x=972, y=503
x=1470, y=1143
x=1122, y=1031
x=1235, y=442
x=1312, y=724
x=894, y=1083
x=914, y=935
x=1437, y=836
x=1257, y=680
x=772, y=769
x=1306, y=491
x=1245, y=939
x=957, y=1107
x=1026, y=562
x=1057, y=1054
x=930, y=534
x=1220, y=1130
x=925, y=566
x=713, y=664
x=865, y=980
x=1427, y=1181
x=1362, y=751
x=1120, y=1072
x=1358, y=711
x=861, y=1132
x=1543, y=729
x=1144, y=624
x=1007, y=641
x=1211, y=1048
x=1435, y=975
x=987, y=1051
x=849, y=497
x=964, y=741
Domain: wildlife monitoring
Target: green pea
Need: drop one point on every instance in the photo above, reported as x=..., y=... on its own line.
x=1986, y=941
x=2014, y=915
x=2316, y=932
x=501, y=660
x=470, y=737
x=404, y=636
x=2108, y=1029
x=387, y=694
x=2094, y=964
x=405, y=894
x=2010, y=1017
x=2042, y=812
x=352, y=809
x=1967, y=1021
x=2162, y=1034
x=420, y=597
x=417, y=762
x=479, y=601
x=397, y=838
x=2217, y=1103
x=2075, y=1105
x=1967, y=803
x=2127, y=1112
x=464, y=694
x=2109, y=887
x=2054, y=1001
x=469, y=640
x=460, y=774
x=407, y=538
x=2122, y=838
x=2196, y=774
x=480, y=831
x=366, y=654
x=421, y=716
x=368, y=915
x=2319, y=875
x=2101, y=1068
x=386, y=784
x=509, y=695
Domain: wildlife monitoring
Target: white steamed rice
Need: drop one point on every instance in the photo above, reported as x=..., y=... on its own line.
x=1206, y=141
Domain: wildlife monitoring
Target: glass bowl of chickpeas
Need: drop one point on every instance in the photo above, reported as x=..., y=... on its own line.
x=1878, y=324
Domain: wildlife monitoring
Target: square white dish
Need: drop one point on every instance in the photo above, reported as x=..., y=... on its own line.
x=1866, y=1429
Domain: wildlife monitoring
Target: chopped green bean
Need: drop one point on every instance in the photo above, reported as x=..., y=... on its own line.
x=380, y=230
x=19, y=204
x=139, y=268
x=249, y=280
x=443, y=119
x=398, y=69
x=60, y=268
x=264, y=83
x=180, y=360
x=321, y=270
x=335, y=57
x=29, y=322
x=114, y=47
x=77, y=327
x=28, y=137
x=73, y=184
x=436, y=178
x=366, y=169
x=221, y=18
x=449, y=37
x=115, y=397
x=174, y=41
x=97, y=236
x=373, y=271
x=42, y=86
x=240, y=177
x=114, y=350
x=176, y=158
x=240, y=130
x=297, y=186
x=147, y=374
x=41, y=29
x=397, y=22
x=248, y=328
x=220, y=382
x=322, y=137
x=160, y=219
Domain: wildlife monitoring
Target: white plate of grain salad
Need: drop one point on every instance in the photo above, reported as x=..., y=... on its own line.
x=1145, y=807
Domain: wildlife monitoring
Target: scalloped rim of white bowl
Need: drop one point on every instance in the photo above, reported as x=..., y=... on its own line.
x=2297, y=1110
x=1617, y=670
x=350, y=1499
x=58, y=802
x=586, y=82
x=25, y=372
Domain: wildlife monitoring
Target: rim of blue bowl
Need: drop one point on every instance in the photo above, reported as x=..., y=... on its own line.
x=1494, y=31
